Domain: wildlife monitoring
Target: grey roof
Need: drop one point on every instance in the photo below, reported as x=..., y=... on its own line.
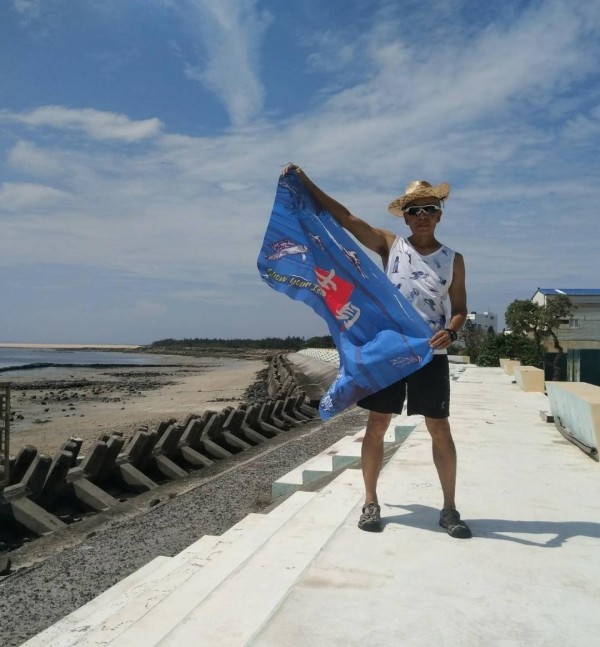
x=571, y=292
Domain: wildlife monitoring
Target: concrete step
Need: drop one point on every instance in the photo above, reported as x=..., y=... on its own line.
x=202, y=566
x=249, y=521
x=215, y=610
x=161, y=573
x=67, y=630
x=341, y=454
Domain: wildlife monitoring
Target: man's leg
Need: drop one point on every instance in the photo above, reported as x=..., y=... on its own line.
x=372, y=458
x=444, y=458
x=372, y=452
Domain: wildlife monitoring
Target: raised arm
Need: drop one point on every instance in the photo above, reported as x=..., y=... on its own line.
x=377, y=240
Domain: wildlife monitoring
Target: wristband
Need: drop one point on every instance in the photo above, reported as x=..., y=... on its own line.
x=452, y=333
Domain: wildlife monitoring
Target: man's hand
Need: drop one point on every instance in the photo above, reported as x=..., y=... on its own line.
x=290, y=166
x=440, y=340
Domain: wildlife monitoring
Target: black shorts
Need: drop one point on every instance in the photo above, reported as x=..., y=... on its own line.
x=428, y=392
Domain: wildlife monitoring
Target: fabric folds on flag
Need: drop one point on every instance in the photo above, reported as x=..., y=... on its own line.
x=307, y=255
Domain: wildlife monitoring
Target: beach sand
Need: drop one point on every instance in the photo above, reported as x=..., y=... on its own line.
x=50, y=405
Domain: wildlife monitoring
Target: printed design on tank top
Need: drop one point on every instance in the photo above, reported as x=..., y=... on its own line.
x=423, y=280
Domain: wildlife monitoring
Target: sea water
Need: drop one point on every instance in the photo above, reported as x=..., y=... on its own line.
x=22, y=357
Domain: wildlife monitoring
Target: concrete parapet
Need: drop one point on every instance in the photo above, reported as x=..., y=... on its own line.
x=508, y=365
x=576, y=410
x=529, y=378
x=459, y=359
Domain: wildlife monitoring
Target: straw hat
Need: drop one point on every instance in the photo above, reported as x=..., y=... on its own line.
x=418, y=189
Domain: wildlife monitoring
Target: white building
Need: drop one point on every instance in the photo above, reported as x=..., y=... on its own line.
x=582, y=329
x=484, y=320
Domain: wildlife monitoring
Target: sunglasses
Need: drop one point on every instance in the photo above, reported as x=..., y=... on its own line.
x=427, y=209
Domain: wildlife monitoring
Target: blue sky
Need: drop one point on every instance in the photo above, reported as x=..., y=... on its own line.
x=141, y=142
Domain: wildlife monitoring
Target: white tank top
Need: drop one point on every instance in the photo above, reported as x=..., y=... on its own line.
x=423, y=280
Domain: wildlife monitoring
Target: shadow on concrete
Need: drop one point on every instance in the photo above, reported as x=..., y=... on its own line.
x=551, y=534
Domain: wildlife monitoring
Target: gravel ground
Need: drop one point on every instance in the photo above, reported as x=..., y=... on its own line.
x=78, y=564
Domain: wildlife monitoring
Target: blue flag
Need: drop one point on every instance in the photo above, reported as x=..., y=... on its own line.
x=307, y=255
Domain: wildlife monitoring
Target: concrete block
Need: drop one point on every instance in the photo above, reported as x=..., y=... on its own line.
x=92, y=496
x=55, y=483
x=168, y=468
x=167, y=443
x=191, y=433
x=92, y=463
x=34, y=517
x=266, y=423
x=459, y=359
x=73, y=446
x=235, y=441
x=253, y=436
x=140, y=449
x=290, y=406
x=133, y=478
x=114, y=446
x=529, y=378
x=22, y=463
x=277, y=415
x=194, y=457
x=509, y=365
x=233, y=422
x=35, y=477
x=576, y=407
x=163, y=426
x=215, y=450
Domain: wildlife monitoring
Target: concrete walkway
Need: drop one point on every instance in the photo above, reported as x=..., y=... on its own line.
x=531, y=574
x=305, y=575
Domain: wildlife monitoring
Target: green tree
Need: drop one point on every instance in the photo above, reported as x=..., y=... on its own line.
x=558, y=308
x=518, y=347
x=474, y=338
x=524, y=317
x=527, y=318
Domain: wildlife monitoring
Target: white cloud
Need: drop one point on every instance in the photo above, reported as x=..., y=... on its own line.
x=189, y=210
x=30, y=158
x=231, y=33
x=28, y=8
x=93, y=123
x=584, y=126
x=25, y=196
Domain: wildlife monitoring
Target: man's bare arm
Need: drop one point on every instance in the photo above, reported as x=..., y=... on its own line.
x=458, y=305
x=377, y=240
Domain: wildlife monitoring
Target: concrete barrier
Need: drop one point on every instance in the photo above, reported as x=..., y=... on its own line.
x=529, y=378
x=576, y=410
x=41, y=487
x=459, y=359
x=508, y=365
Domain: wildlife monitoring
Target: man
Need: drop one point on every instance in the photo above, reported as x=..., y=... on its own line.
x=428, y=274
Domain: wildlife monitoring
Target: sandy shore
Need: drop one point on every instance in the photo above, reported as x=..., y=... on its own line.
x=52, y=404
